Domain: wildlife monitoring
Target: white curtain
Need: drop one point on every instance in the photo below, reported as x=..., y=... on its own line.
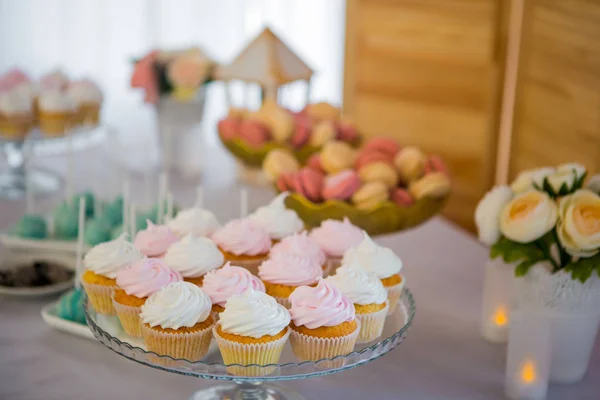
x=98, y=38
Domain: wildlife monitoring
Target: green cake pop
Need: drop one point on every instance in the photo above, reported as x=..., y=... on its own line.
x=65, y=222
x=70, y=306
x=30, y=226
x=113, y=212
x=89, y=202
x=97, y=231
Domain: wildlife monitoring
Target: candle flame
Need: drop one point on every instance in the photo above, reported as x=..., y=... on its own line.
x=528, y=372
x=500, y=317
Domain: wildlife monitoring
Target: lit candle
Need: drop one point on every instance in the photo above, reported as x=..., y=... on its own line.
x=497, y=295
x=528, y=356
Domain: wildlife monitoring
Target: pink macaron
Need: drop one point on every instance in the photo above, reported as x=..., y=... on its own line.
x=346, y=131
x=302, y=131
x=254, y=133
x=309, y=183
x=342, y=185
x=314, y=162
x=383, y=145
x=370, y=156
x=229, y=128
x=285, y=182
x=401, y=197
x=435, y=164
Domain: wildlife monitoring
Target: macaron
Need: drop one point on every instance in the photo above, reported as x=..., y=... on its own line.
x=277, y=162
x=309, y=183
x=435, y=164
x=379, y=172
x=401, y=197
x=341, y=186
x=370, y=195
x=346, y=131
x=322, y=111
x=337, y=156
x=366, y=157
x=314, y=162
x=302, y=131
x=436, y=185
x=228, y=128
x=278, y=120
x=323, y=132
x=237, y=113
x=285, y=182
x=410, y=163
x=382, y=145
x=254, y=133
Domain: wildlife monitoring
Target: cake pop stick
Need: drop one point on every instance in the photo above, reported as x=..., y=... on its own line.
x=125, y=205
x=133, y=219
x=169, y=214
x=199, y=196
x=69, y=185
x=79, y=249
x=243, y=202
x=28, y=190
x=162, y=191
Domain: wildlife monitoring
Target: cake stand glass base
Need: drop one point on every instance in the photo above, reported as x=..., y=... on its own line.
x=247, y=391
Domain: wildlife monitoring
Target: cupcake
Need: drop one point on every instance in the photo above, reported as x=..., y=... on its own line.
x=134, y=284
x=335, y=237
x=220, y=284
x=102, y=263
x=283, y=272
x=276, y=219
x=194, y=221
x=253, y=329
x=323, y=323
x=56, y=112
x=177, y=322
x=243, y=242
x=16, y=115
x=302, y=245
x=88, y=98
x=193, y=257
x=369, y=298
x=381, y=262
x=55, y=80
x=155, y=240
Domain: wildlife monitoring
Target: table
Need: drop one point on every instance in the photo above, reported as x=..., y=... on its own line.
x=444, y=356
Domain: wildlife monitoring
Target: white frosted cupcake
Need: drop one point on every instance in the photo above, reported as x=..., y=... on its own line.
x=193, y=257
x=177, y=322
x=194, y=221
x=253, y=329
x=278, y=220
x=56, y=112
x=16, y=115
x=381, y=262
x=368, y=296
x=88, y=98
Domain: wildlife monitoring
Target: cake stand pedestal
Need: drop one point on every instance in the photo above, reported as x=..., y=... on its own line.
x=245, y=387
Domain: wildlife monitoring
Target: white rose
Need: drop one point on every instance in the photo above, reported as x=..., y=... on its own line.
x=579, y=225
x=487, y=214
x=528, y=216
x=594, y=184
x=526, y=179
x=578, y=169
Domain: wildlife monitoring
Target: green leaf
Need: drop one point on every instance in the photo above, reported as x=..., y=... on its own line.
x=516, y=252
x=524, y=266
x=579, y=183
x=548, y=188
x=583, y=268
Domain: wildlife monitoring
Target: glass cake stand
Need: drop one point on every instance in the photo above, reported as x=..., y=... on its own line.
x=243, y=387
x=18, y=152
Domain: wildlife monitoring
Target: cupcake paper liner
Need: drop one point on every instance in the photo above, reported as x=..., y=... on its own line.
x=245, y=354
x=284, y=301
x=313, y=348
x=371, y=325
x=394, y=293
x=190, y=346
x=100, y=297
x=129, y=317
x=55, y=124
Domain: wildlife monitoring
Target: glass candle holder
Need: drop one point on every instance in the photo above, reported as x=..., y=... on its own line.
x=497, y=300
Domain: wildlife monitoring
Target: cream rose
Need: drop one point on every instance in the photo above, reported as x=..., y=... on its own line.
x=528, y=216
x=578, y=169
x=526, y=179
x=579, y=225
x=594, y=184
x=487, y=214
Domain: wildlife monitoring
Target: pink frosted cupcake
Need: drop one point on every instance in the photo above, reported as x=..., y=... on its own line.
x=227, y=281
x=134, y=285
x=155, y=240
x=335, y=237
x=301, y=244
x=323, y=323
x=282, y=273
x=243, y=242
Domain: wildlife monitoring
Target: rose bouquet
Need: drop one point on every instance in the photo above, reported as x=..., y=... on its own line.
x=545, y=216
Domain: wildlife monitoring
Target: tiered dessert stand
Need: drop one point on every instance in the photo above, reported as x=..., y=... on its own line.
x=242, y=387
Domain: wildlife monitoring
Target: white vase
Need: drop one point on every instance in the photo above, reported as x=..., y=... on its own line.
x=498, y=284
x=573, y=313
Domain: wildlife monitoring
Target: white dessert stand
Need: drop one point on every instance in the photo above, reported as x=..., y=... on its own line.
x=239, y=387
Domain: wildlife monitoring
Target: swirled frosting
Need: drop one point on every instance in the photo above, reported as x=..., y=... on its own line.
x=290, y=269
x=145, y=277
x=56, y=101
x=276, y=219
x=358, y=285
x=194, y=256
x=84, y=91
x=230, y=280
x=195, y=221
x=109, y=257
x=11, y=102
x=253, y=314
x=300, y=244
x=323, y=305
x=155, y=239
x=180, y=304
x=377, y=260
x=243, y=236
x=335, y=237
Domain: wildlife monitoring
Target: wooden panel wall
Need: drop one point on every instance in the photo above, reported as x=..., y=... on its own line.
x=427, y=72
x=558, y=101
